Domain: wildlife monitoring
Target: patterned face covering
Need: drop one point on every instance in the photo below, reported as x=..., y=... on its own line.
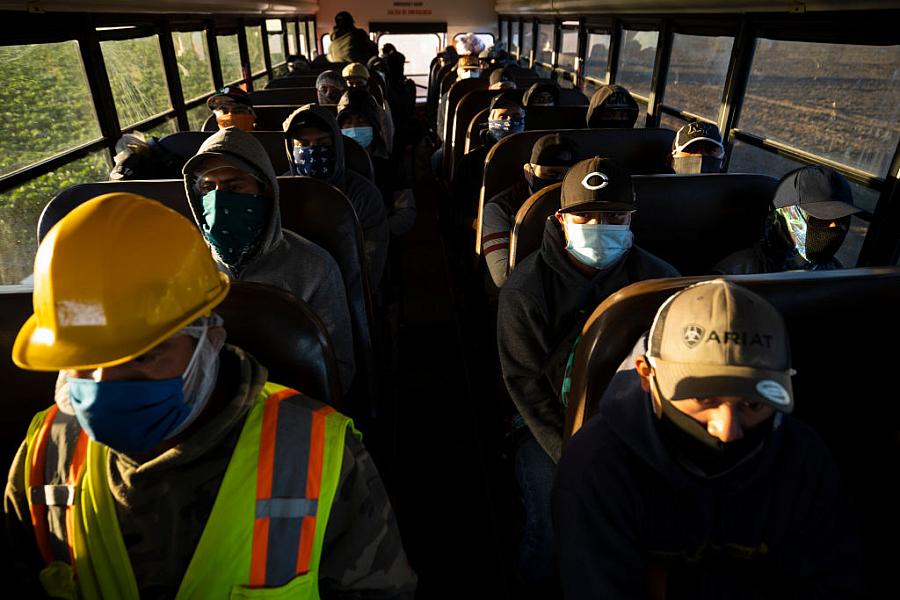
x=314, y=161
x=816, y=241
x=500, y=128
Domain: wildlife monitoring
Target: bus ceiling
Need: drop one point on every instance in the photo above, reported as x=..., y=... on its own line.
x=580, y=7
x=294, y=7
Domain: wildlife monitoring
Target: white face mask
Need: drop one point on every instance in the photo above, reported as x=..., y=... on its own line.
x=598, y=245
x=202, y=373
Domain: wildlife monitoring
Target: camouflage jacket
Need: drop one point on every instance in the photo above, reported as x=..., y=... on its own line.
x=163, y=503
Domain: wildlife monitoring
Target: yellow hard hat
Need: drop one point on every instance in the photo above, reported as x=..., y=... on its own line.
x=114, y=278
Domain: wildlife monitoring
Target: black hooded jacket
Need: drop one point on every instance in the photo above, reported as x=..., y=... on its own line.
x=350, y=44
x=628, y=515
x=605, y=95
x=543, y=306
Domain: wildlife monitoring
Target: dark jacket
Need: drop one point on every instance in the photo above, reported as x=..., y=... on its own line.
x=605, y=95
x=628, y=514
x=543, y=306
x=351, y=44
x=362, y=194
x=468, y=174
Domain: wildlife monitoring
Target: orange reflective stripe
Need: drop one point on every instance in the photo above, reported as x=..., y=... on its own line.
x=38, y=467
x=264, y=472
x=316, y=452
x=75, y=471
x=304, y=550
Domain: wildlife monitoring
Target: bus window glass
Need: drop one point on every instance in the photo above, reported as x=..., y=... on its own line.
x=35, y=78
x=597, y=56
x=636, y=60
x=419, y=49
x=837, y=101
x=276, y=49
x=163, y=129
x=697, y=70
x=542, y=71
x=273, y=26
x=21, y=206
x=544, y=46
x=255, y=49
x=568, y=50
x=197, y=117
x=527, y=42
x=326, y=41
x=137, y=78
x=193, y=63
x=668, y=121
x=303, y=49
x=310, y=39
x=504, y=25
x=514, y=43
x=229, y=58
x=292, y=38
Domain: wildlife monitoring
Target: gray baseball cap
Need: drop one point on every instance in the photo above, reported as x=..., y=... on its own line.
x=717, y=338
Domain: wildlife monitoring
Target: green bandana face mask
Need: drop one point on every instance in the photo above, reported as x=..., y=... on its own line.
x=234, y=222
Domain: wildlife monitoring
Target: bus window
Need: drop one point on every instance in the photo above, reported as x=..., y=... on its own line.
x=544, y=46
x=163, y=129
x=697, y=70
x=636, y=60
x=597, y=56
x=229, y=58
x=326, y=41
x=276, y=41
x=310, y=39
x=197, y=117
x=837, y=101
x=671, y=122
x=137, y=78
x=504, y=31
x=255, y=50
x=193, y=63
x=419, y=49
x=40, y=82
x=21, y=206
x=568, y=52
x=292, y=38
x=527, y=43
x=514, y=40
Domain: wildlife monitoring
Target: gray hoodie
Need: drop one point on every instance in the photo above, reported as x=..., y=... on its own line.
x=362, y=193
x=285, y=259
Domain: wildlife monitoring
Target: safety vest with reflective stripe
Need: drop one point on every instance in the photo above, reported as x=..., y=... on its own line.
x=267, y=524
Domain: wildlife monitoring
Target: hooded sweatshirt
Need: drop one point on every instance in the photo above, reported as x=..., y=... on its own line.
x=543, y=306
x=775, y=526
x=285, y=259
x=362, y=193
x=603, y=96
x=393, y=182
x=350, y=44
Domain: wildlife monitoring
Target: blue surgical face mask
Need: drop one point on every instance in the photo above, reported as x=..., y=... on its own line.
x=598, y=245
x=129, y=416
x=315, y=161
x=469, y=73
x=500, y=128
x=234, y=222
x=363, y=135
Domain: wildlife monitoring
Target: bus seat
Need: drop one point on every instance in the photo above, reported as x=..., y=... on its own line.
x=271, y=324
x=457, y=93
x=839, y=322
x=472, y=103
x=641, y=151
x=294, y=96
x=309, y=207
x=690, y=221
x=528, y=225
x=294, y=81
x=541, y=118
x=473, y=132
x=573, y=97
x=186, y=144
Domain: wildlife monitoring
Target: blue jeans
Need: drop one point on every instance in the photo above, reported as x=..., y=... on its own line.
x=535, y=470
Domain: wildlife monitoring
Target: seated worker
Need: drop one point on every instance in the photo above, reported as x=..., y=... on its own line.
x=156, y=435
x=316, y=149
x=697, y=148
x=356, y=75
x=387, y=50
x=543, y=93
x=358, y=120
x=503, y=78
x=330, y=86
x=551, y=157
x=232, y=107
x=807, y=226
x=297, y=63
x=612, y=107
x=349, y=43
x=233, y=194
x=467, y=67
x=693, y=480
x=506, y=117
x=588, y=253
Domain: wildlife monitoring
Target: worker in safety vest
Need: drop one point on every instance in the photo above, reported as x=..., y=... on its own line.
x=169, y=466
